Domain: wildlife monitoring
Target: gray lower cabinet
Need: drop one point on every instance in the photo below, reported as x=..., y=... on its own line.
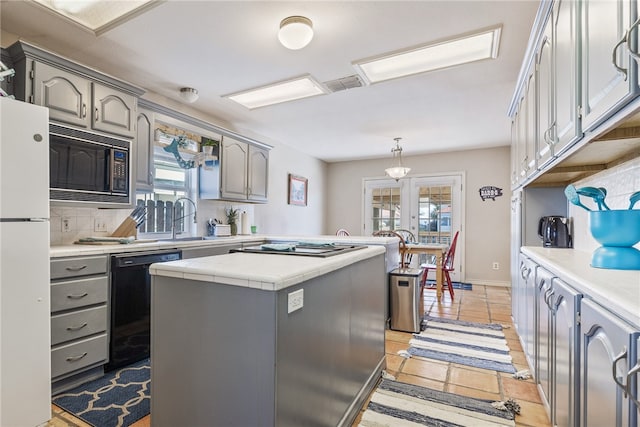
x=79, y=320
x=526, y=307
x=608, y=352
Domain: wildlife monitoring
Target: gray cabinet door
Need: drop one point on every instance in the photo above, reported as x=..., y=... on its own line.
x=543, y=322
x=66, y=95
x=546, y=110
x=233, y=169
x=565, y=74
x=604, y=363
x=144, y=150
x=258, y=169
x=607, y=75
x=531, y=142
x=564, y=303
x=113, y=111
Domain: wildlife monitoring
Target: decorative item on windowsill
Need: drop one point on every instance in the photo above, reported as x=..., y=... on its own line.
x=210, y=148
x=199, y=159
x=232, y=220
x=397, y=171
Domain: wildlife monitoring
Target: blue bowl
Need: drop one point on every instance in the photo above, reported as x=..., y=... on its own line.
x=616, y=227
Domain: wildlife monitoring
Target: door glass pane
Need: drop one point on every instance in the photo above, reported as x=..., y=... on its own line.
x=385, y=204
x=434, y=214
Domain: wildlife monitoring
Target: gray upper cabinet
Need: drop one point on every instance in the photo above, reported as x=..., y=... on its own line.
x=75, y=95
x=67, y=95
x=565, y=110
x=546, y=107
x=244, y=171
x=113, y=111
x=608, y=75
x=144, y=149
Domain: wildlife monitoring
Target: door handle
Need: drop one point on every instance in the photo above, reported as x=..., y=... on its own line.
x=631, y=373
x=77, y=296
x=614, y=61
x=76, y=358
x=622, y=355
x=76, y=328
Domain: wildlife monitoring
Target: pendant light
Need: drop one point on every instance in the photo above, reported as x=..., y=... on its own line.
x=397, y=171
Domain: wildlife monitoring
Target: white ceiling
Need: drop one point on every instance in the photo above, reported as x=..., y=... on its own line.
x=221, y=47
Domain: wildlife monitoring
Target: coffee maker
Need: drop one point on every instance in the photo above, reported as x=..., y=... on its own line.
x=555, y=232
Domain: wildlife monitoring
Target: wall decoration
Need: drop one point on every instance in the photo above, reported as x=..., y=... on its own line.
x=297, y=190
x=490, y=192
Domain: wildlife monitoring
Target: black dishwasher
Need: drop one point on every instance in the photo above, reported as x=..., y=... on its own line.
x=131, y=305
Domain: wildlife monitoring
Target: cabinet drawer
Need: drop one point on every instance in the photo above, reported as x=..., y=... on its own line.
x=78, y=324
x=75, y=356
x=78, y=293
x=75, y=267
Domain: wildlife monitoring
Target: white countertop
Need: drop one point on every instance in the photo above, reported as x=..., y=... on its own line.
x=81, y=250
x=270, y=272
x=617, y=290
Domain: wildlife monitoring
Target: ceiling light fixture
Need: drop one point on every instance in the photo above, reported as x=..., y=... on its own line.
x=397, y=171
x=289, y=90
x=434, y=56
x=189, y=94
x=295, y=32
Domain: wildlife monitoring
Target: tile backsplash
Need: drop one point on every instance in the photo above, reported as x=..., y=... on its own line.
x=69, y=224
x=620, y=181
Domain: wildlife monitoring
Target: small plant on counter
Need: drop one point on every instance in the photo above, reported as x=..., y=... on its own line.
x=232, y=219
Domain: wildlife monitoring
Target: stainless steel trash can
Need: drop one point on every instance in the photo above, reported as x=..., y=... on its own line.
x=406, y=305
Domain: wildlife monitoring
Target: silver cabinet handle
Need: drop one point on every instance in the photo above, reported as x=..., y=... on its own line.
x=631, y=373
x=76, y=358
x=632, y=52
x=77, y=296
x=622, y=41
x=78, y=268
x=84, y=110
x=622, y=355
x=96, y=114
x=76, y=328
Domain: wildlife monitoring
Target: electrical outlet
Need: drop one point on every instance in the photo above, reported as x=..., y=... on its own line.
x=496, y=266
x=66, y=224
x=100, y=224
x=295, y=300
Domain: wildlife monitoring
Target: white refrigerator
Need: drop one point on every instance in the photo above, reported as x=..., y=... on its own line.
x=25, y=332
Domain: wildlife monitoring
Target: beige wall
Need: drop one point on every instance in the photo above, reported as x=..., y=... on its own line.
x=485, y=232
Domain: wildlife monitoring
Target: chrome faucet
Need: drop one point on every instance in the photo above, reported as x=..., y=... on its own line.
x=175, y=213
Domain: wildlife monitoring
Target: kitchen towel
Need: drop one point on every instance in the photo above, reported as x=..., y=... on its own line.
x=246, y=227
x=481, y=345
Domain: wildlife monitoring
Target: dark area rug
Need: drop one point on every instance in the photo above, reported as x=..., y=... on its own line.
x=120, y=398
x=456, y=285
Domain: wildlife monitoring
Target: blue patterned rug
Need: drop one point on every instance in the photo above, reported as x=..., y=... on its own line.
x=119, y=398
x=481, y=345
x=394, y=403
x=456, y=285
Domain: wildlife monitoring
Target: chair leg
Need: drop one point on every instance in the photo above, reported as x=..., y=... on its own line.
x=425, y=273
x=449, y=283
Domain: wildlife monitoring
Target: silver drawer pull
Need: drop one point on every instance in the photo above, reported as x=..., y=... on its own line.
x=81, y=267
x=76, y=328
x=622, y=355
x=76, y=358
x=76, y=296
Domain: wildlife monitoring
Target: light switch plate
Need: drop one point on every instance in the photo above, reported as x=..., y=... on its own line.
x=295, y=300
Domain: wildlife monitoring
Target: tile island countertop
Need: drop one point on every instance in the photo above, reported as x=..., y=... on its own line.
x=270, y=272
x=618, y=290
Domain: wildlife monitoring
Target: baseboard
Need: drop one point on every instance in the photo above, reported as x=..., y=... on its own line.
x=483, y=282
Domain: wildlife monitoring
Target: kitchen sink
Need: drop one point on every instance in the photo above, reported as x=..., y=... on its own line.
x=188, y=239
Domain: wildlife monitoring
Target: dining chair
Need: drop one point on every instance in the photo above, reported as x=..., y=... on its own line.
x=342, y=232
x=447, y=266
x=402, y=244
x=408, y=237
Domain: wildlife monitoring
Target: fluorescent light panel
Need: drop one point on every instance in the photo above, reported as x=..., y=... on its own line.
x=96, y=15
x=290, y=90
x=461, y=50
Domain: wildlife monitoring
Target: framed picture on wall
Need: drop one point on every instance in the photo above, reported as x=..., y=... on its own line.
x=297, y=190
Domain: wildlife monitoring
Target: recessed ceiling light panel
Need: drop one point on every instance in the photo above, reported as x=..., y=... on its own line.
x=289, y=90
x=434, y=56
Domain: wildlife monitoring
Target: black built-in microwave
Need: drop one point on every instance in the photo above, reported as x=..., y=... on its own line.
x=88, y=167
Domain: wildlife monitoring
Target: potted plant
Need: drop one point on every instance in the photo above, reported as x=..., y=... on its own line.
x=232, y=220
x=207, y=144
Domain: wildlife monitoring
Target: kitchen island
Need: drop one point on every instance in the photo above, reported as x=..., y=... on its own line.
x=249, y=339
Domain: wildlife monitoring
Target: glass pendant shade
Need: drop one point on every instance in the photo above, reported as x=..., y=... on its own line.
x=397, y=171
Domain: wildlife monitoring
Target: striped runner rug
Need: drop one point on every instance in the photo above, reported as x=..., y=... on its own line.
x=481, y=345
x=395, y=404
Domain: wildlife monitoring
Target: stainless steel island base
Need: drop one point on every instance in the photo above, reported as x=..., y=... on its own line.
x=228, y=355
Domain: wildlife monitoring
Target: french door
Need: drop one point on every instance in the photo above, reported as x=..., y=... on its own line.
x=431, y=207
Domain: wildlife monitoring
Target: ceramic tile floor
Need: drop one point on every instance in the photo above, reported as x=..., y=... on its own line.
x=486, y=304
